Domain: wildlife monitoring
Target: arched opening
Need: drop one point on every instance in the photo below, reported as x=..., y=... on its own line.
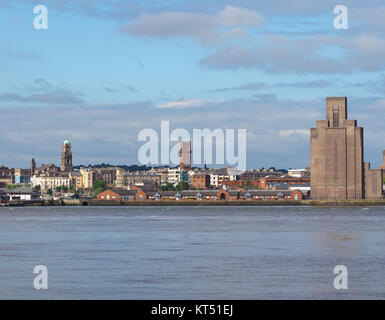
x=84, y=203
x=223, y=196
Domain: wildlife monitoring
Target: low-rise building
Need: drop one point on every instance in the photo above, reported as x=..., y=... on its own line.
x=6, y=175
x=139, y=178
x=46, y=182
x=298, y=173
x=139, y=194
x=162, y=171
x=3, y=196
x=143, y=178
x=6, y=180
x=221, y=194
x=268, y=181
x=219, y=177
x=117, y=194
x=108, y=175
x=20, y=194
x=22, y=176
x=47, y=170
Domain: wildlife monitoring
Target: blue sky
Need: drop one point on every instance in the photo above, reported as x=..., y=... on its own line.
x=104, y=70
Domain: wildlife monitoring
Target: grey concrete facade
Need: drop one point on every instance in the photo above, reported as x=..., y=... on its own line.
x=336, y=155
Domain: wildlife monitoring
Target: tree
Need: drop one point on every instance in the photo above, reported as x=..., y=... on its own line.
x=49, y=191
x=167, y=187
x=99, y=186
x=13, y=186
x=182, y=185
x=58, y=189
x=249, y=184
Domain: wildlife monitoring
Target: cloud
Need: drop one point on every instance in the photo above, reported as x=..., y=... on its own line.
x=205, y=28
x=266, y=97
x=109, y=90
x=371, y=19
x=46, y=94
x=286, y=133
x=255, y=86
x=7, y=49
x=248, y=86
x=126, y=87
x=187, y=103
x=306, y=84
x=130, y=88
x=376, y=85
x=313, y=54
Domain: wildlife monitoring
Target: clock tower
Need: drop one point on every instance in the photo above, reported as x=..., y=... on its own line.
x=66, y=157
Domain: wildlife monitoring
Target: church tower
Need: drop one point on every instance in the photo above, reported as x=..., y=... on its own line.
x=33, y=167
x=66, y=157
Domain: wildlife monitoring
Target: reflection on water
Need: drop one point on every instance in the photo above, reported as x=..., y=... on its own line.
x=337, y=242
x=192, y=252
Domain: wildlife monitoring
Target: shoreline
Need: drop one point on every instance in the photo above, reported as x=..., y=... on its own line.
x=196, y=203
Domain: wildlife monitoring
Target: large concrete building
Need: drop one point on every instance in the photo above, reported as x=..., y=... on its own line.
x=336, y=148
x=338, y=170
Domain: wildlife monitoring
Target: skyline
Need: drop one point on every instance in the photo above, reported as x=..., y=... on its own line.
x=104, y=70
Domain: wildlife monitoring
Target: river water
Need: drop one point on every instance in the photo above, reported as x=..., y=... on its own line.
x=192, y=252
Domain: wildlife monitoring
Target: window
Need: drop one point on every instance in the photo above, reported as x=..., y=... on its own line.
x=335, y=117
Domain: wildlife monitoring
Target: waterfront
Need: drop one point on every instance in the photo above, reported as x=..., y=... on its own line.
x=192, y=252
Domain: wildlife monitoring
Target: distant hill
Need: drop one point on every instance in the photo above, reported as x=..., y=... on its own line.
x=133, y=167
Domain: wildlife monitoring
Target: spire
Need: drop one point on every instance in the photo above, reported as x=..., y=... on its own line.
x=66, y=141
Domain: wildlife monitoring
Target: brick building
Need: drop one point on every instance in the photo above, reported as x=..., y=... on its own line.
x=117, y=194
x=267, y=182
x=200, y=181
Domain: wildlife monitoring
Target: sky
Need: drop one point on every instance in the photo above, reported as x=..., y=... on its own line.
x=105, y=70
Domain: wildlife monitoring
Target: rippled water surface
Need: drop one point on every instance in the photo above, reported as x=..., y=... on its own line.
x=192, y=252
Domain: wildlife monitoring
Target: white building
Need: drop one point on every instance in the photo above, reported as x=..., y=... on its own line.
x=173, y=175
x=20, y=194
x=219, y=176
x=305, y=188
x=297, y=173
x=46, y=183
